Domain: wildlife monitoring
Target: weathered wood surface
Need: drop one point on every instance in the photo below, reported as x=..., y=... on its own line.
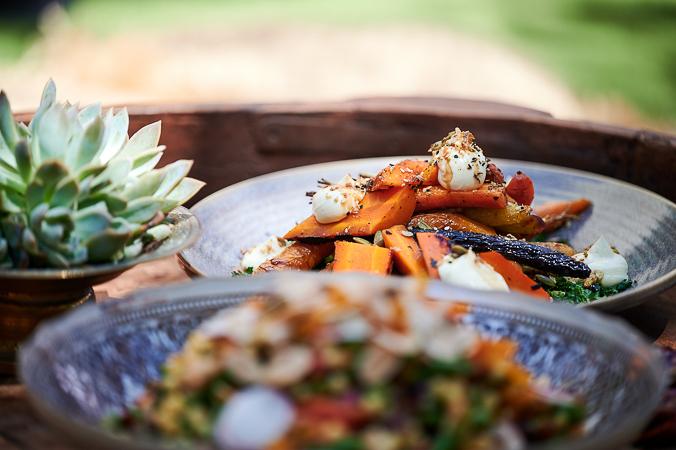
x=230, y=143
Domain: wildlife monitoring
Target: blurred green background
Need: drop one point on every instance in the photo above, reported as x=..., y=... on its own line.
x=623, y=49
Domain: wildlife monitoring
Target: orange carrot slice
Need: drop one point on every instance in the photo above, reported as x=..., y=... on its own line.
x=297, y=256
x=407, y=255
x=434, y=248
x=453, y=221
x=404, y=173
x=514, y=276
x=353, y=257
x=556, y=214
x=436, y=197
x=379, y=210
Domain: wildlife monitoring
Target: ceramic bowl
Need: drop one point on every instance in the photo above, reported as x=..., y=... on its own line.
x=641, y=224
x=29, y=296
x=95, y=361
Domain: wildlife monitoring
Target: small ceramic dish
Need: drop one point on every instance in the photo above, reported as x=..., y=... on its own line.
x=641, y=224
x=82, y=367
x=31, y=295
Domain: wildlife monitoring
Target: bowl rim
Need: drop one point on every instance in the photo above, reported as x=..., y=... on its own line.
x=186, y=220
x=624, y=300
x=613, y=329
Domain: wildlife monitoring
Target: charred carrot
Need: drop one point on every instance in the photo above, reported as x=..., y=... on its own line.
x=354, y=257
x=556, y=214
x=407, y=255
x=442, y=219
x=297, y=256
x=404, y=173
x=434, y=248
x=436, y=197
x=514, y=276
x=379, y=210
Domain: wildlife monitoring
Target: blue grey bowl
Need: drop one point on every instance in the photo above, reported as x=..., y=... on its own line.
x=96, y=360
x=640, y=223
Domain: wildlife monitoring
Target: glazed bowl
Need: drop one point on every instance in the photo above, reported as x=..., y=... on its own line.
x=640, y=223
x=32, y=295
x=96, y=360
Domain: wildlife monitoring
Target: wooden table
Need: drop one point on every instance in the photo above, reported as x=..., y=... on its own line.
x=230, y=143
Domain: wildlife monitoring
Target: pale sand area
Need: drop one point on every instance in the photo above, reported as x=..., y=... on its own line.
x=266, y=63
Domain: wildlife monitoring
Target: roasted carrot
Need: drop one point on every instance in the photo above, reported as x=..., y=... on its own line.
x=379, y=210
x=407, y=255
x=354, y=257
x=410, y=172
x=297, y=256
x=556, y=214
x=404, y=173
x=528, y=227
x=453, y=221
x=509, y=215
x=513, y=275
x=434, y=248
x=521, y=188
x=436, y=197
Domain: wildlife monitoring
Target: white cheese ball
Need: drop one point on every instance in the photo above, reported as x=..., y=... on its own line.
x=265, y=251
x=602, y=258
x=462, y=164
x=252, y=419
x=471, y=272
x=334, y=202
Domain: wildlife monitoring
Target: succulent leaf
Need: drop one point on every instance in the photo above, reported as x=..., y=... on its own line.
x=90, y=145
x=146, y=138
x=174, y=173
x=7, y=125
x=183, y=192
x=29, y=242
x=115, y=134
x=7, y=204
x=145, y=185
x=107, y=244
x=147, y=160
x=141, y=209
x=53, y=132
x=66, y=192
x=22, y=156
x=92, y=220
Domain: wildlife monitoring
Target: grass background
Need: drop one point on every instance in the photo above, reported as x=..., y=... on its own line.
x=622, y=49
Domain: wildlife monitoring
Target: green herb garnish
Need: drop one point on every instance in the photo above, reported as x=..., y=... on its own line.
x=574, y=291
x=242, y=273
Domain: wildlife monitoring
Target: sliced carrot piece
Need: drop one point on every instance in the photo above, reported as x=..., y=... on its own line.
x=297, y=256
x=353, y=257
x=521, y=188
x=379, y=210
x=514, y=276
x=404, y=173
x=407, y=255
x=556, y=214
x=453, y=221
x=434, y=248
x=436, y=197
x=430, y=176
x=410, y=172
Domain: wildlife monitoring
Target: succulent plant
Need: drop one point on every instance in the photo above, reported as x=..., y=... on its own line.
x=75, y=189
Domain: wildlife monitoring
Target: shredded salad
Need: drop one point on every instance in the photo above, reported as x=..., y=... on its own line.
x=333, y=369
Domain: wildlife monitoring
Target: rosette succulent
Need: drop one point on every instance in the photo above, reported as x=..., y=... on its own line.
x=76, y=189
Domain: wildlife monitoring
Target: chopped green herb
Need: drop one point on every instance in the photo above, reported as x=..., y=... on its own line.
x=240, y=273
x=574, y=291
